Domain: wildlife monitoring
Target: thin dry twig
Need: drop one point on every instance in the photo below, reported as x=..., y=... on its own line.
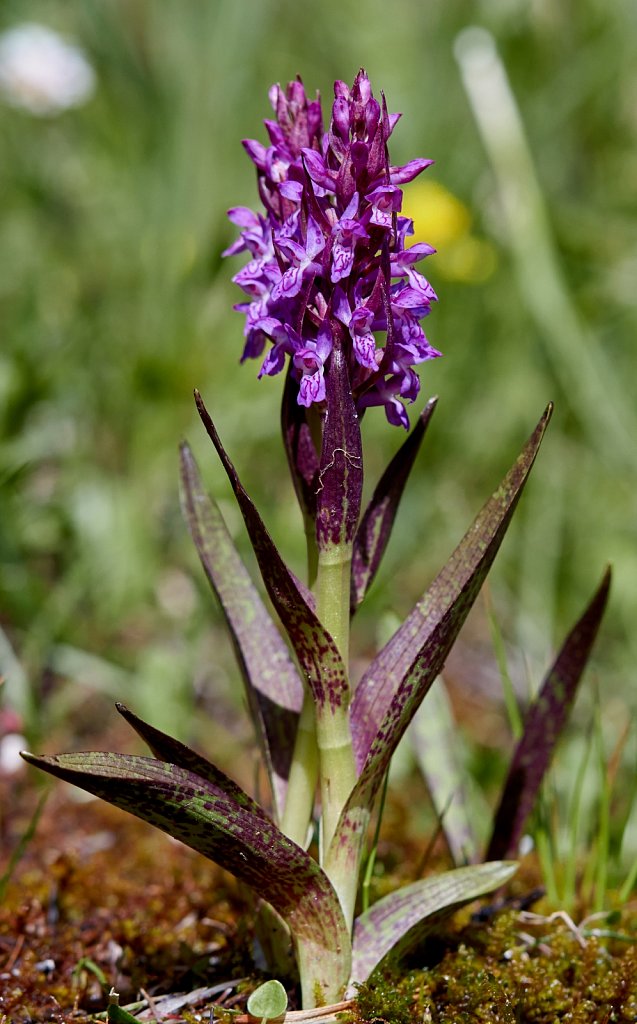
x=320, y=1015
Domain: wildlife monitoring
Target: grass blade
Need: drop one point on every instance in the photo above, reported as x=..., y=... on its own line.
x=22, y=844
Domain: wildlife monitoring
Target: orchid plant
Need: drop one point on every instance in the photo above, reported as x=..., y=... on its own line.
x=330, y=272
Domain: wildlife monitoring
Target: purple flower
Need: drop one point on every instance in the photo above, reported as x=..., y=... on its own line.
x=328, y=254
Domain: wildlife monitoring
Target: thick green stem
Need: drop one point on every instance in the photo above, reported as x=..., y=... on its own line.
x=303, y=777
x=336, y=755
x=333, y=594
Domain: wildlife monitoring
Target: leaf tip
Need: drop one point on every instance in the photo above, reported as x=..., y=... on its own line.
x=425, y=414
x=199, y=402
x=508, y=866
x=600, y=598
x=37, y=760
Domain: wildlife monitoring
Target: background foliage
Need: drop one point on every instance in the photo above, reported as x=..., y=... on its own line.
x=115, y=303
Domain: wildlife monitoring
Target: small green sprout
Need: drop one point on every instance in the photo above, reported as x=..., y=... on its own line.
x=115, y=1013
x=268, y=1001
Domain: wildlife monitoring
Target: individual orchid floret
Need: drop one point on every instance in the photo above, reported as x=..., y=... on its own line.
x=332, y=244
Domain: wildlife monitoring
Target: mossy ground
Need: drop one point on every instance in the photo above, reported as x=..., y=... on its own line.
x=100, y=900
x=98, y=895
x=507, y=971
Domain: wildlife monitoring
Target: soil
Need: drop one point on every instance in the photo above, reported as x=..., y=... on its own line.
x=98, y=900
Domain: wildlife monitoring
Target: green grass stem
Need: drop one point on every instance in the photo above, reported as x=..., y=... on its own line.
x=371, y=859
x=510, y=700
x=22, y=844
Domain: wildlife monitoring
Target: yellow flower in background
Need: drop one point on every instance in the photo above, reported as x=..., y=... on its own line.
x=444, y=221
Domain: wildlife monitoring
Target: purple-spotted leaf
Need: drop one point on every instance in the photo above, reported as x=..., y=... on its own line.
x=273, y=686
x=543, y=726
x=423, y=641
x=315, y=649
x=376, y=525
x=437, y=745
x=399, y=921
x=300, y=449
x=166, y=748
x=202, y=815
x=392, y=689
x=341, y=470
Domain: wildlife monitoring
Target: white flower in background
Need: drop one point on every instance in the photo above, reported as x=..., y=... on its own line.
x=41, y=72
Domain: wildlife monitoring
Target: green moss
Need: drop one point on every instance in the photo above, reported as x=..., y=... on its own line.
x=514, y=971
x=387, y=997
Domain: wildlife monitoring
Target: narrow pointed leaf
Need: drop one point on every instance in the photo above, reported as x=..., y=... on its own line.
x=273, y=686
x=435, y=740
x=303, y=458
x=431, y=627
x=315, y=649
x=115, y=1014
x=398, y=922
x=341, y=471
x=200, y=814
x=392, y=689
x=376, y=525
x=166, y=748
x=543, y=726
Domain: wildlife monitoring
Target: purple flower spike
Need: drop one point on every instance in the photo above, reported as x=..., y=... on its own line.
x=331, y=244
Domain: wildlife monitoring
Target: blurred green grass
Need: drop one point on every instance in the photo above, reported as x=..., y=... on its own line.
x=115, y=303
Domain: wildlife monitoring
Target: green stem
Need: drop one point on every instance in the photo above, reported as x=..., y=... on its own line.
x=333, y=594
x=336, y=754
x=304, y=770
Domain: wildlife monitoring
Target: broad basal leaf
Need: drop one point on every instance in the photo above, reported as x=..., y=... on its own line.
x=398, y=922
x=273, y=686
x=203, y=816
x=392, y=689
x=543, y=726
x=315, y=649
x=166, y=748
x=376, y=525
